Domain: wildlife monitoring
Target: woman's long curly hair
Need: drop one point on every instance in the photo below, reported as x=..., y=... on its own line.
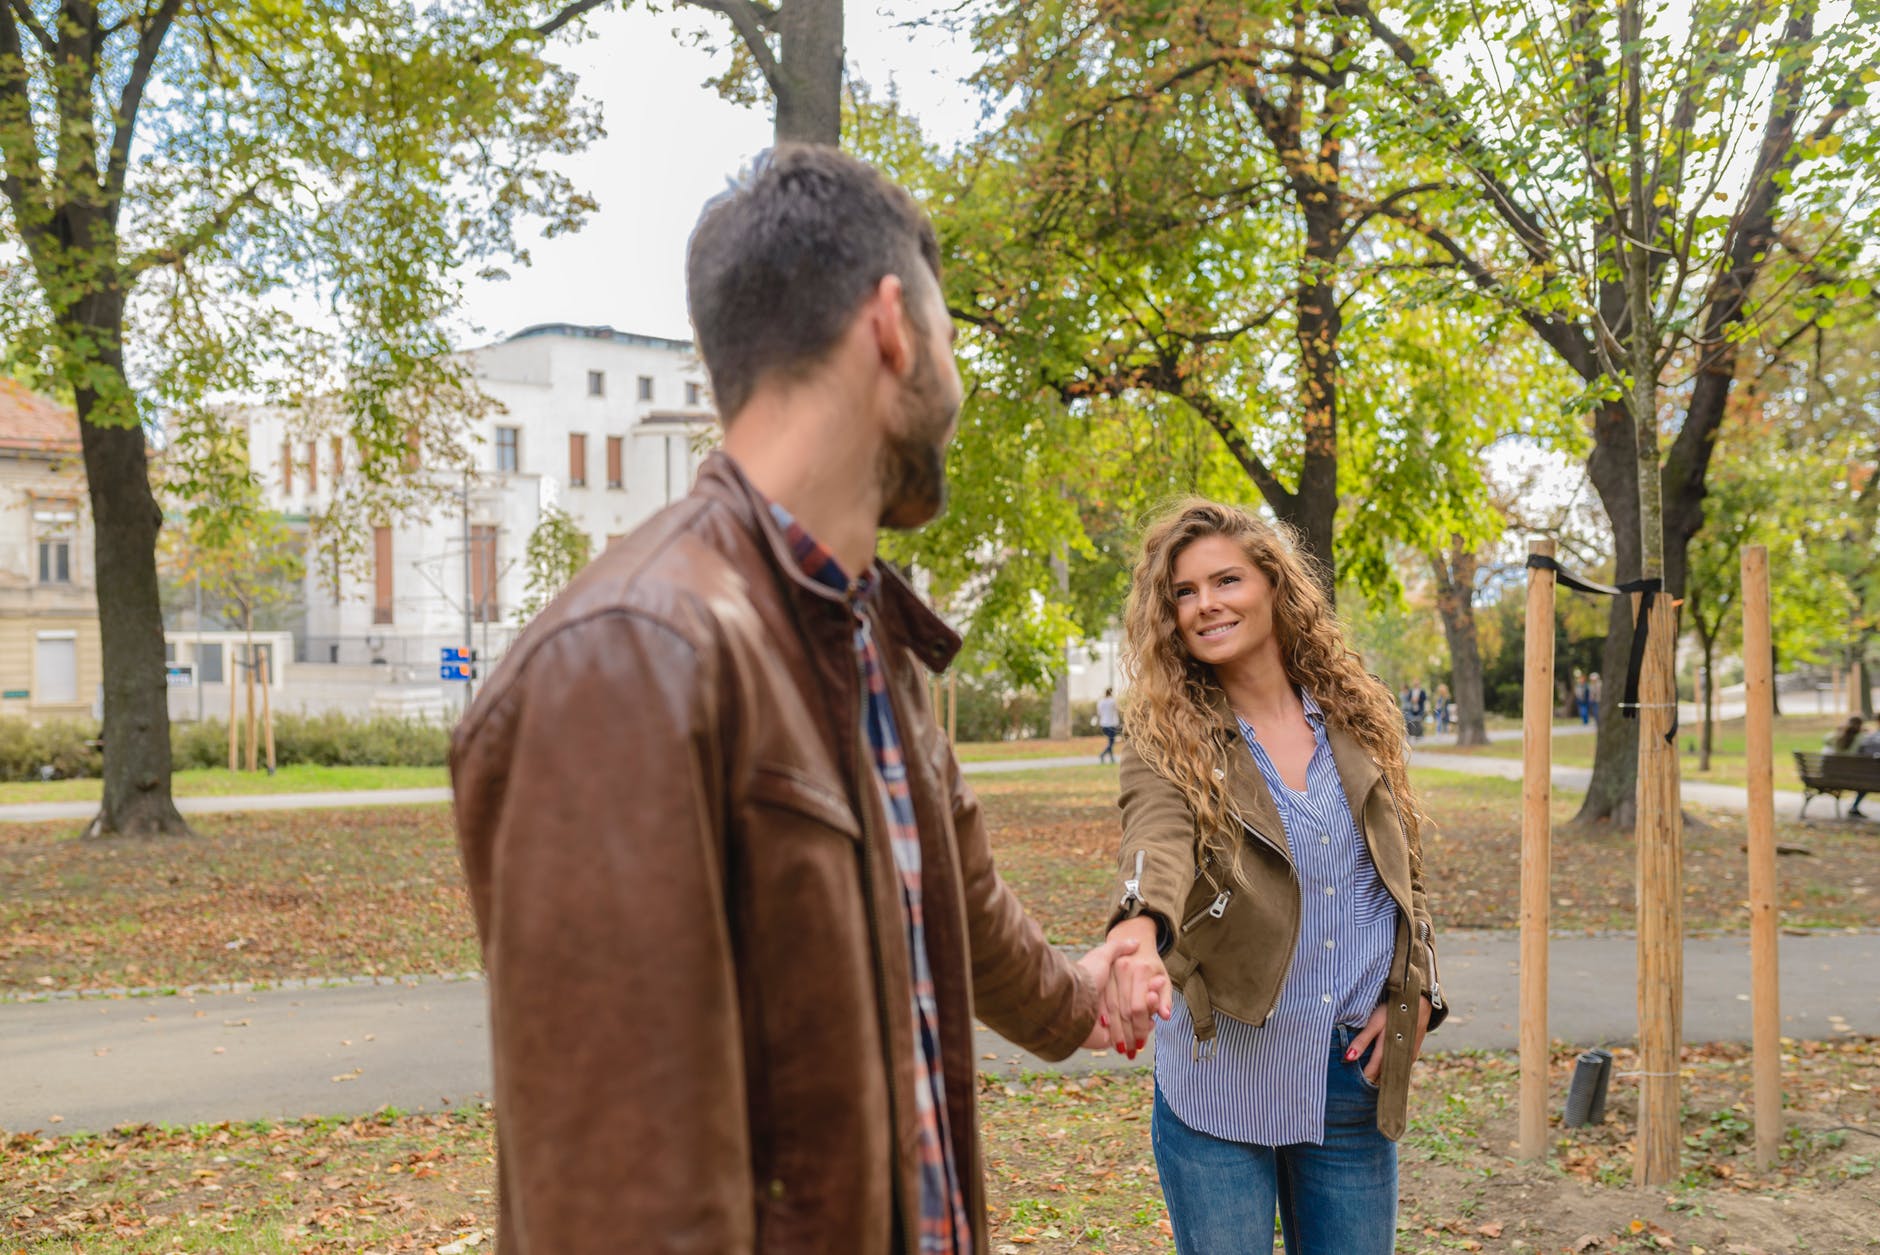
x=1172, y=698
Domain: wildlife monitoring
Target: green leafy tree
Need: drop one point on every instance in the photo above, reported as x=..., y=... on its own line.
x=172, y=177
x=556, y=552
x=1651, y=190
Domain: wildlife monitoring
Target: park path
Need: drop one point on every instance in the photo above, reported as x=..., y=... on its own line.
x=94, y=1063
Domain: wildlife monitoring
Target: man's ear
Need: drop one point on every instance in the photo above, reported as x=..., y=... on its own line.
x=894, y=332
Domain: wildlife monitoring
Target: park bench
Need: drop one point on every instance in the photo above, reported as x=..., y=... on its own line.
x=1835, y=774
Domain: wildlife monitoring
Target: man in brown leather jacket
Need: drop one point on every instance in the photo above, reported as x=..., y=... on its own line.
x=737, y=904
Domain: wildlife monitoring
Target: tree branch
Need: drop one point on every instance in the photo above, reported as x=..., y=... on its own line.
x=149, y=43
x=1469, y=147
x=1353, y=226
x=568, y=14
x=750, y=20
x=27, y=19
x=180, y=247
x=22, y=176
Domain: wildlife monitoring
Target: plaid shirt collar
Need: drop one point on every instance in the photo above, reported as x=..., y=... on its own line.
x=818, y=562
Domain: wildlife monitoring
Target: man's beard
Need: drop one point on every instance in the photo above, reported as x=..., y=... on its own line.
x=914, y=458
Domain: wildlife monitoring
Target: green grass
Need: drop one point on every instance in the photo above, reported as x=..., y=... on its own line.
x=220, y=782
x=1728, y=749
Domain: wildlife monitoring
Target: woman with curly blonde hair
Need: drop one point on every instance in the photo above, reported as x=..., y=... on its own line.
x=1271, y=870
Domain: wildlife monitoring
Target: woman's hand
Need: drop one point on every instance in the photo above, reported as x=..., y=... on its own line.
x=1374, y=1029
x=1139, y=987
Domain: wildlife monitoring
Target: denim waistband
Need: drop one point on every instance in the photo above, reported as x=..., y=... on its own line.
x=1342, y=1035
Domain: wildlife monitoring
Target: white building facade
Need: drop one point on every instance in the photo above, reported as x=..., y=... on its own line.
x=607, y=425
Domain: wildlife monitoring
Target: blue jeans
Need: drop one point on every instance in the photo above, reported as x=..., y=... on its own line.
x=1335, y=1199
x=1109, y=746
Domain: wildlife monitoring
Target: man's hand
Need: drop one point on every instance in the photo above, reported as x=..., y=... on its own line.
x=1374, y=1029
x=1100, y=968
x=1139, y=986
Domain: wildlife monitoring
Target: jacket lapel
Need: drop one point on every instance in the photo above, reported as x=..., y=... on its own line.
x=1356, y=771
x=1246, y=787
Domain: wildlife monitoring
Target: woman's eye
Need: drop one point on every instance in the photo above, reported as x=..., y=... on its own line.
x=1230, y=579
x=1183, y=592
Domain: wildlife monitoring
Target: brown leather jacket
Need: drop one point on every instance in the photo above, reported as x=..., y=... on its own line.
x=1228, y=942
x=690, y=915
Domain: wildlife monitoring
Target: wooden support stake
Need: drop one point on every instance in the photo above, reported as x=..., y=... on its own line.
x=234, y=727
x=1765, y=983
x=1537, y=731
x=1660, y=906
x=254, y=740
x=267, y=707
x=953, y=708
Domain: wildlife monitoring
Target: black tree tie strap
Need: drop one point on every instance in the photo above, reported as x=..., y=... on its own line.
x=1635, y=665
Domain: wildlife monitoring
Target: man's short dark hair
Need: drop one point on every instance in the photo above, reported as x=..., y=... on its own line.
x=778, y=265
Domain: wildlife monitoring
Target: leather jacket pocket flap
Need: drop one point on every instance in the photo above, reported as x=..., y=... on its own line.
x=773, y=784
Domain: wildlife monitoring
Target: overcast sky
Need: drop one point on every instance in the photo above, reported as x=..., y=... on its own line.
x=672, y=143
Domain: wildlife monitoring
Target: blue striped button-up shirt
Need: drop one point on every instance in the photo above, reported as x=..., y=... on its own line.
x=1266, y=1084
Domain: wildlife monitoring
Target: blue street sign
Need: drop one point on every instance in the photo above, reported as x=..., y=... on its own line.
x=453, y=653
x=456, y=671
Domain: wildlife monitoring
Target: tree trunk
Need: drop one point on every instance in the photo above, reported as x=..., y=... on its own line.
x=1061, y=695
x=1455, y=601
x=1861, y=676
x=1611, y=795
x=809, y=90
x=137, y=798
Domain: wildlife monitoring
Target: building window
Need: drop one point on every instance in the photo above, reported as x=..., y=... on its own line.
x=646, y=387
x=339, y=457
x=614, y=459
x=209, y=662
x=313, y=466
x=509, y=449
x=577, y=459
x=55, y=561
x=597, y=383
x=381, y=575
x=287, y=467
x=483, y=600
x=694, y=395
x=56, y=669
x=53, y=524
x=414, y=448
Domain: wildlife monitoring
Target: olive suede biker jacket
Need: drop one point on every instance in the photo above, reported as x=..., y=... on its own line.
x=1228, y=943
x=690, y=915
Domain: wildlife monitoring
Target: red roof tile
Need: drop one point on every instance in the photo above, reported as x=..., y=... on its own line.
x=30, y=421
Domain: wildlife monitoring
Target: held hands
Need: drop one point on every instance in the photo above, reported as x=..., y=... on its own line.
x=1139, y=988
x=1101, y=965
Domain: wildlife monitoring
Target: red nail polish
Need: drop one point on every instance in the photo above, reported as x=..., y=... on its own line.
x=1351, y=1054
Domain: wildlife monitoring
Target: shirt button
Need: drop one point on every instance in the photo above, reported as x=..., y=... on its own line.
x=1325, y=997
x=1329, y=891
x=1324, y=840
x=1329, y=943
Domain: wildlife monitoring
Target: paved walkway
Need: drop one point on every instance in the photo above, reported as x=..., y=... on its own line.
x=96, y=1062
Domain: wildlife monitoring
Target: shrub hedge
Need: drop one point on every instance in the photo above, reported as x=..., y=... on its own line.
x=68, y=748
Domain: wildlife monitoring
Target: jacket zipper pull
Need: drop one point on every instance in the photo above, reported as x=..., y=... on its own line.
x=1220, y=904
x=1132, y=888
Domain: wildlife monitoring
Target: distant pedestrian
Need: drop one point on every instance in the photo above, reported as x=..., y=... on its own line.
x=1592, y=697
x=1868, y=745
x=1584, y=700
x=1110, y=722
x=1443, y=704
x=1843, y=739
